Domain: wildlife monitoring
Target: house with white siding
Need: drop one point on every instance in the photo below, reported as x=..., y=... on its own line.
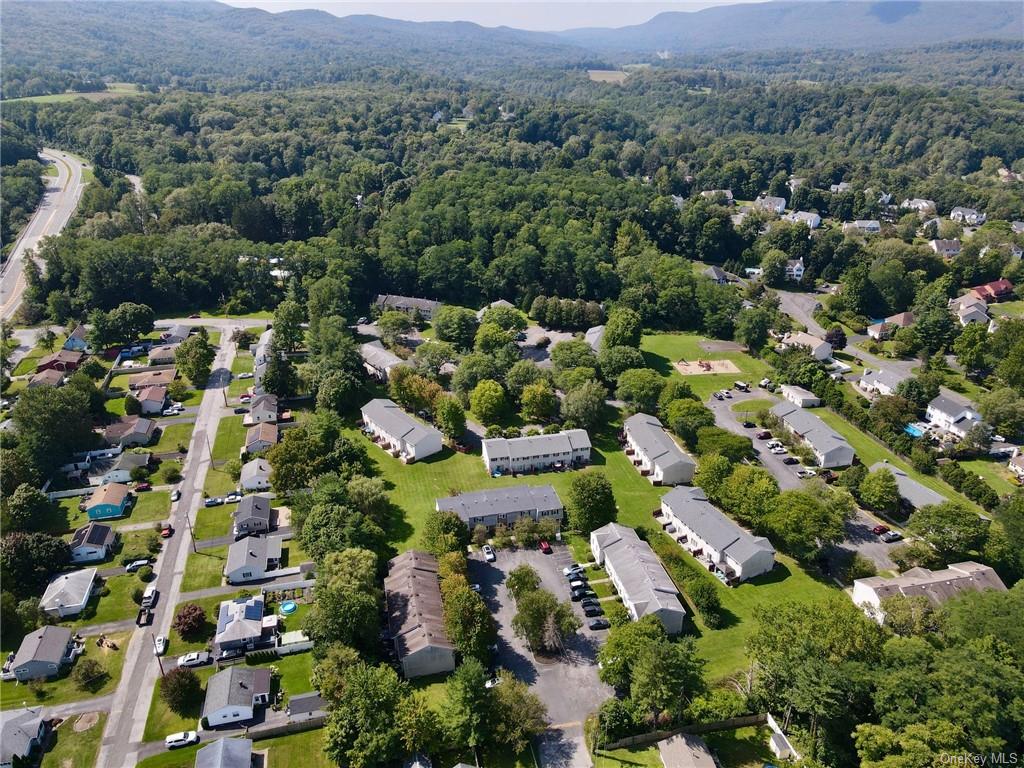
x=403, y=436
x=935, y=586
x=568, y=448
x=653, y=451
x=504, y=506
x=829, y=447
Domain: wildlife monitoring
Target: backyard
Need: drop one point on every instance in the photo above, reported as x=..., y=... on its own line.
x=230, y=438
x=76, y=744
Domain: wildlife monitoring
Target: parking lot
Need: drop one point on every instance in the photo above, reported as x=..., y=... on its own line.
x=574, y=672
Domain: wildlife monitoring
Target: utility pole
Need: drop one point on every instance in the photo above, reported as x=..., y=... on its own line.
x=155, y=653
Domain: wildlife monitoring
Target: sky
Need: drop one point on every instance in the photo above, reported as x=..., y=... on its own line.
x=531, y=14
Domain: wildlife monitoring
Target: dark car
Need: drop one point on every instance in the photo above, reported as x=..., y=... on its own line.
x=593, y=610
x=749, y=424
x=588, y=601
x=241, y=409
x=791, y=460
x=764, y=434
x=878, y=530
x=579, y=594
x=599, y=624
x=143, y=487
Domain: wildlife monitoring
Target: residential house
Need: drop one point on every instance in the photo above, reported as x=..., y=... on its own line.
x=63, y=360
x=176, y=334
x=117, y=469
x=913, y=494
x=408, y=304
x=819, y=349
x=504, y=505
x=77, y=341
x=862, y=226
x=594, y=336
x=67, y=594
x=402, y=435
x=970, y=308
x=918, y=204
x=262, y=351
x=43, y=652
x=260, y=438
x=887, y=328
x=795, y=270
x=152, y=400
x=378, y=361
x=812, y=220
x=724, y=195
x=252, y=558
x=773, y=204
x=843, y=186
x=262, y=410
x=225, y=753
x=718, y=543
x=936, y=586
x=651, y=449
x=967, y=216
x=684, y=750
x=494, y=305
x=997, y=290
x=716, y=274
x=255, y=475
x=92, y=542
x=306, y=706
x=795, y=182
x=412, y=593
x=241, y=624
x=130, y=431
x=829, y=447
x=527, y=454
x=880, y=382
x=253, y=515
x=638, y=575
x=800, y=396
x=152, y=379
x=1017, y=227
x=23, y=732
x=162, y=354
x=109, y=500
x=952, y=415
x=947, y=249
x=234, y=695
x=47, y=378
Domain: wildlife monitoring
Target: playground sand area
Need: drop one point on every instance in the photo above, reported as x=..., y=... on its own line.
x=704, y=367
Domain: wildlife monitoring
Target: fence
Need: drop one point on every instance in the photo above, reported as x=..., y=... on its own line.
x=54, y=495
x=695, y=729
x=261, y=732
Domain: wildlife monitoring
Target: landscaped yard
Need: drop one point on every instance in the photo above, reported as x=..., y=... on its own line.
x=218, y=483
x=230, y=438
x=76, y=747
x=210, y=605
x=297, y=750
x=63, y=689
x=162, y=721
x=116, y=606
x=28, y=363
x=212, y=522
x=295, y=670
x=603, y=588
x=242, y=363
x=663, y=350
x=204, y=569
x=172, y=436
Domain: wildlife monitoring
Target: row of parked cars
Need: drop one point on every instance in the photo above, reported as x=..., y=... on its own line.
x=580, y=592
x=776, y=448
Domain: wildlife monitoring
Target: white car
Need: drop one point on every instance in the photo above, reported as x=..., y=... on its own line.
x=475, y=587
x=245, y=399
x=232, y=497
x=194, y=659
x=171, y=412
x=489, y=555
x=494, y=682
x=182, y=739
x=160, y=645
x=778, y=450
x=246, y=375
x=572, y=567
x=803, y=474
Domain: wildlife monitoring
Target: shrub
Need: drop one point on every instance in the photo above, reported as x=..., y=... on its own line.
x=145, y=573
x=88, y=675
x=704, y=595
x=173, y=474
x=190, y=620
x=181, y=690
x=137, y=595
x=855, y=566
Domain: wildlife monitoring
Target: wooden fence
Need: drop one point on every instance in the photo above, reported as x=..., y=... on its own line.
x=697, y=728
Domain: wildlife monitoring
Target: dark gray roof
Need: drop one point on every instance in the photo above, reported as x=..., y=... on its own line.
x=225, y=753
x=657, y=445
x=254, y=550
x=645, y=582
x=130, y=460
x=305, y=703
x=387, y=415
x=252, y=507
x=94, y=534
x=692, y=508
x=48, y=644
x=502, y=501
x=406, y=302
x=537, y=445
x=916, y=494
x=235, y=687
x=263, y=404
x=949, y=406
x=374, y=353
x=413, y=598
x=716, y=273
x=18, y=727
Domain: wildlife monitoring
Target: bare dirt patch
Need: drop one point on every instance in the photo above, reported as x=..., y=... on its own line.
x=614, y=76
x=85, y=722
x=705, y=367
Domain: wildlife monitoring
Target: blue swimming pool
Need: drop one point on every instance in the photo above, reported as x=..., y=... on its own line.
x=913, y=430
x=288, y=607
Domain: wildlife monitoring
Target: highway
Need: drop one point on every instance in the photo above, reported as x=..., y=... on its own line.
x=55, y=209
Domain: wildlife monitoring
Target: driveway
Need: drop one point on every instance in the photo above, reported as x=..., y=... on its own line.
x=568, y=686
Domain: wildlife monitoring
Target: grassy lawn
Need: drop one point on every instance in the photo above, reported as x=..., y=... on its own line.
x=173, y=435
x=243, y=363
x=28, y=363
x=160, y=477
x=218, y=483
x=741, y=748
x=662, y=350
x=292, y=554
x=113, y=90
x=298, y=750
x=68, y=517
x=632, y=757
x=116, y=606
x=603, y=588
x=753, y=406
x=74, y=748
x=63, y=689
x=119, y=383
x=295, y=670
x=204, y=569
x=230, y=438
x=162, y=721
x=994, y=473
x=151, y=506
x=115, y=406
x=1008, y=309
x=212, y=522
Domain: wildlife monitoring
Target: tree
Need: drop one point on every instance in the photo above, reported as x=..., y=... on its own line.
x=1003, y=408
x=507, y=318
x=490, y=338
x=572, y=354
x=430, y=357
x=393, y=325
x=639, y=388
x=456, y=325
x=487, y=401
x=444, y=532
x=590, y=503
x=181, y=690
x=801, y=525
x=539, y=402
x=362, y=730
x=46, y=339
x=190, y=620
x=734, y=447
x=685, y=417
x=522, y=374
x=88, y=674
x=51, y=423
x=522, y=579
x=879, y=491
x=951, y=529
x=468, y=622
x=972, y=348
x=468, y=714
x=132, y=407
x=712, y=475
x=330, y=669
x=337, y=391
x=344, y=614
x=752, y=327
x=288, y=332
x=280, y=377
x=28, y=509
x=622, y=329
x=623, y=648
x=544, y=622
x=836, y=336
x=194, y=358
x=418, y=724
x=584, y=406
x=665, y=676
x=517, y=715
x=28, y=559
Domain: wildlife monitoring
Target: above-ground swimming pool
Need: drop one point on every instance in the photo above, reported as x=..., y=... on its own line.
x=288, y=607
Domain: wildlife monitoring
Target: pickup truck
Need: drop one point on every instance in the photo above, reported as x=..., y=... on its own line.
x=145, y=617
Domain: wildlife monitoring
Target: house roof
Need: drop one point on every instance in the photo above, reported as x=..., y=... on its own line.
x=406, y=302
x=993, y=289
x=225, y=753
x=594, y=336
x=951, y=407
x=49, y=377
x=47, y=644
x=18, y=729
x=253, y=470
x=821, y=437
x=497, y=303
x=413, y=596
x=179, y=331
x=129, y=425
x=235, y=687
x=771, y=202
x=398, y=424
x=502, y=501
x=715, y=273
x=692, y=508
x=655, y=443
x=93, y=534
x=239, y=619
x=937, y=586
x=154, y=394
x=69, y=589
x=111, y=493
x=263, y=404
x=130, y=460
x=252, y=507
x=803, y=394
x=78, y=333
x=916, y=494
x=685, y=751
x=645, y=582
x=378, y=357
x=162, y=351
x=888, y=379
x=902, y=319
x=806, y=217
x=152, y=378
x=803, y=339
x=305, y=703
x=63, y=357
x=254, y=551
x=537, y=445
x=264, y=431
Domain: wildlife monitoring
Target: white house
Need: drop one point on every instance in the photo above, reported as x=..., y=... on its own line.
x=152, y=399
x=952, y=415
x=842, y=186
x=880, y=382
x=829, y=447
x=402, y=435
x=594, y=336
x=795, y=269
x=652, y=450
x=967, y=216
x=92, y=542
x=504, y=505
x=255, y=475
x=947, y=249
x=525, y=454
x=378, y=361
x=936, y=586
x=819, y=349
x=415, y=615
x=800, y=396
x=774, y=204
x=262, y=410
x=812, y=220
x=234, y=694
x=717, y=542
x=252, y=558
x=918, y=204
x=68, y=593
x=638, y=575
x=260, y=437
x=862, y=226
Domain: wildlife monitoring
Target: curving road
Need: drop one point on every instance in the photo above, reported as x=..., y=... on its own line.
x=55, y=209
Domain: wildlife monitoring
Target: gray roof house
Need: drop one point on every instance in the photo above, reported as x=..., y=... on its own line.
x=717, y=274
x=717, y=542
x=252, y=558
x=638, y=575
x=255, y=475
x=912, y=493
x=494, y=305
x=239, y=622
x=408, y=304
x=225, y=753
x=306, y=706
x=176, y=334
x=399, y=433
x=42, y=653
x=379, y=361
x=92, y=542
x=68, y=593
x=504, y=505
x=768, y=203
x=252, y=515
x=523, y=454
x=951, y=414
x=117, y=470
x=22, y=734
x=415, y=617
x=936, y=586
x=651, y=448
x=829, y=447
x=594, y=336
x=880, y=382
x=262, y=410
x=234, y=694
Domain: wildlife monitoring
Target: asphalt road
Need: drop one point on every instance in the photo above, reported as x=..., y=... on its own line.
x=55, y=209
x=122, y=739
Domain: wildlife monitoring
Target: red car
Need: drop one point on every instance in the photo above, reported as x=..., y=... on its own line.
x=878, y=530
x=143, y=487
x=545, y=547
x=167, y=531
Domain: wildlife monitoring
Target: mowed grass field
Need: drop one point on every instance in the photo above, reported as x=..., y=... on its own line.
x=114, y=90
x=74, y=747
x=298, y=750
x=664, y=349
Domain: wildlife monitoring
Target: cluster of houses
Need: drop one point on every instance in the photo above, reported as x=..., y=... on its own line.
x=947, y=416
x=973, y=306
x=256, y=553
x=830, y=449
x=885, y=329
x=415, y=615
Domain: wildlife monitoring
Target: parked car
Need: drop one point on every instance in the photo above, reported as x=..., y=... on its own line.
x=599, y=624
x=890, y=536
x=144, y=617
x=778, y=450
x=790, y=460
x=194, y=659
x=182, y=739
x=570, y=568
x=134, y=565
x=143, y=487
x=803, y=474
x=159, y=645
x=579, y=594
x=245, y=399
x=363, y=320
x=727, y=393
x=544, y=547
x=878, y=530
x=764, y=383
x=749, y=424
x=494, y=682
x=593, y=610
x=587, y=601
x=233, y=497
x=241, y=409
x=172, y=411
x=175, y=494
x=150, y=596
x=245, y=375
x=717, y=396
x=167, y=531
x=213, y=501
x=764, y=434
x=576, y=574
x=489, y=555
x=578, y=584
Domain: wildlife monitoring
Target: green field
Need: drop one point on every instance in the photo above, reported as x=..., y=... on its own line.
x=151, y=506
x=75, y=748
x=114, y=90
x=173, y=435
x=218, y=483
x=751, y=407
x=994, y=472
x=28, y=363
x=230, y=438
x=631, y=757
x=212, y=522
x=204, y=569
x=243, y=363
x=662, y=350
x=297, y=750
